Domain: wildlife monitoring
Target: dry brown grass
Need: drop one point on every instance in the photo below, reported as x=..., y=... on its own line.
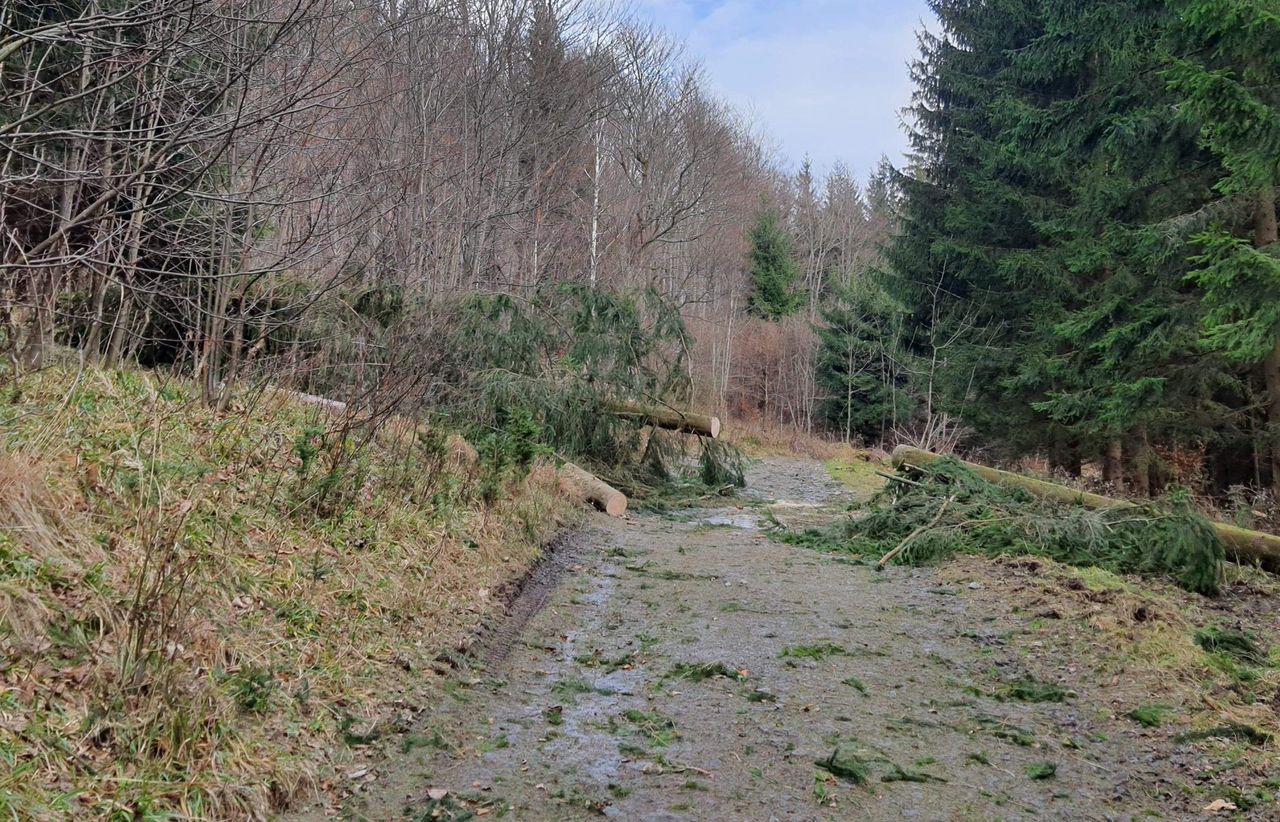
x=196, y=624
x=760, y=439
x=31, y=513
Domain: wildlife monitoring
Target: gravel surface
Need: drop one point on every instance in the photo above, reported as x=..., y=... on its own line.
x=687, y=667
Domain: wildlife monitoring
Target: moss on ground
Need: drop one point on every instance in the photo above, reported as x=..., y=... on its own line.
x=858, y=473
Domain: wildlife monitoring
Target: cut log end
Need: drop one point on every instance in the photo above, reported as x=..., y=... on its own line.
x=586, y=487
x=616, y=505
x=714, y=428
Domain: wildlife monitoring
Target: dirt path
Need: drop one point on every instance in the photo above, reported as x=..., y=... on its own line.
x=615, y=699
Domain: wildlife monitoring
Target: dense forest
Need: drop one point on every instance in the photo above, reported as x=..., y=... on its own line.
x=1087, y=245
x=1078, y=259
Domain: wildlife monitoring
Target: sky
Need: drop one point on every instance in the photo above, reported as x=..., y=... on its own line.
x=823, y=78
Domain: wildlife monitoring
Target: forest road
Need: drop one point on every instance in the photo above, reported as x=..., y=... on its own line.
x=688, y=667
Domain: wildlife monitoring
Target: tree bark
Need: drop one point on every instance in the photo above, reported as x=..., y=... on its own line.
x=588, y=487
x=1140, y=464
x=1241, y=543
x=1271, y=372
x=669, y=418
x=1265, y=234
x=98, y=295
x=1113, y=467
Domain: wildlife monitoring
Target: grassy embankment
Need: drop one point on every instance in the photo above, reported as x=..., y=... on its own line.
x=213, y=614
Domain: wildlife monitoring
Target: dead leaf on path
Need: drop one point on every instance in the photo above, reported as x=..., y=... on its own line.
x=1220, y=805
x=436, y=794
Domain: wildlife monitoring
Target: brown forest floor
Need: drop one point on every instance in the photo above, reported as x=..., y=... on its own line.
x=685, y=666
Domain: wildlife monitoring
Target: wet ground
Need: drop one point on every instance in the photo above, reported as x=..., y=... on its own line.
x=687, y=667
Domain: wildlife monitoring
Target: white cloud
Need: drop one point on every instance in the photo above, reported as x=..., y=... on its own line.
x=824, y=77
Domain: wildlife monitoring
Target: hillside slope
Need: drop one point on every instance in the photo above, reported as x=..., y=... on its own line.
x=212, y=613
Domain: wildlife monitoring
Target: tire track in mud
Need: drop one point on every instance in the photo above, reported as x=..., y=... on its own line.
x=686, y=667
x=525, y=599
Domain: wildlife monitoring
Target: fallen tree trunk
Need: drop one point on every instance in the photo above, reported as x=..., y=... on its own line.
x=1241, y=543
x=461, y=454
x=669, y=418
x=332, y=406
x=588, y=487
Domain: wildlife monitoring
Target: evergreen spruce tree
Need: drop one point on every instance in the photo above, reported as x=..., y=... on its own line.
x=966, y=314
x=1040, y=258
x=1118, y=368
x=1228, y=84
x=858, y=362
x=775, y=292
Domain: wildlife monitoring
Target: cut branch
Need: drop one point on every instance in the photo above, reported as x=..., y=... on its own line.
x=901, y=546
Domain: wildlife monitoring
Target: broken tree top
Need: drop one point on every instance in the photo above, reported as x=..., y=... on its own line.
x=1241, y=543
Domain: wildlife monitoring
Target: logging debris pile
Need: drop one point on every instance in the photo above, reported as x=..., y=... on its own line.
x=925, y=514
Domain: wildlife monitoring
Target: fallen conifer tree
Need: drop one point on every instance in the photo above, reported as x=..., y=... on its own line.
x=944, y=507
x=1241, y=543
x=666, y=417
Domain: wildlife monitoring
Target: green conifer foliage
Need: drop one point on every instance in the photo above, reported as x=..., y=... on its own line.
x=968, y=314
x=1044, y=241
x=857, y=365
x=1225, y=69
x=1120, y=346
x=774, y=290
x=1229, y=92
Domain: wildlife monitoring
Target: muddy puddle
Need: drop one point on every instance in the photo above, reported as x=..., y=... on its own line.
x=689, y=668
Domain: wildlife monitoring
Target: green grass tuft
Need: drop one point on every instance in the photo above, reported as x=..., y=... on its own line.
x=658, y=729
x=568, y=688
x=897, y=773
x=1028, y=689
x=1041, y=770
x=702, y=671
x=1234, y=730
x=1149, y=716
x=856, y=684
x=816, y=652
